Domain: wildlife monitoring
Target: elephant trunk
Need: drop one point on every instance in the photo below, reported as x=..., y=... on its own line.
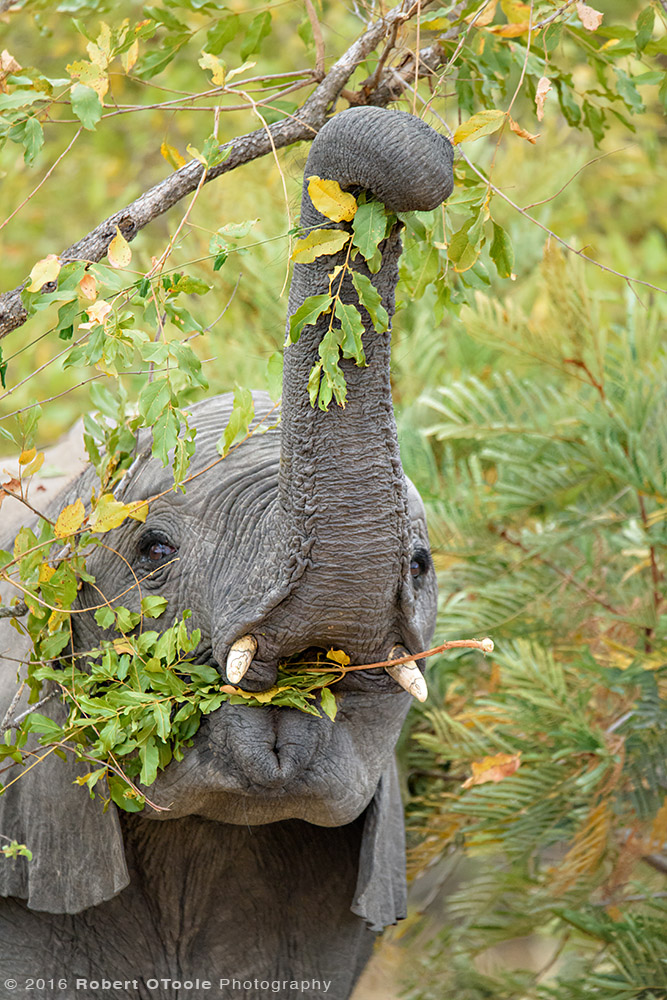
x=341, y=486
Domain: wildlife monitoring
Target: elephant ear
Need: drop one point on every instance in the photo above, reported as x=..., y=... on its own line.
x=77, y=849
x=381, y=893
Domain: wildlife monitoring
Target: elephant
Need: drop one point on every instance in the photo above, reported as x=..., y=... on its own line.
x=276, y=852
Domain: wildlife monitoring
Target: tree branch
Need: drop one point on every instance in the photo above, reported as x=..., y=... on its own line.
x=303, y=125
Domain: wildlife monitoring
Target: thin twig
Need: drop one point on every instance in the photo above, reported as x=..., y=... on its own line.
x=319, y=41
x=567, y=183
x=43, y=180
x=556, y=14
x=15, y=723
x=302, y=126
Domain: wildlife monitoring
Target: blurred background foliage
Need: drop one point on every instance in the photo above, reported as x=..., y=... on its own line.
x=532, y=412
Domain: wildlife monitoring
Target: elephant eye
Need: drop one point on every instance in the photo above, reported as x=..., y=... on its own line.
x=155, y=548
x=419, y=565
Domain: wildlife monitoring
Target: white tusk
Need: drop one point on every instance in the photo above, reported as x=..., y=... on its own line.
x=408, y=675
x=240, y=657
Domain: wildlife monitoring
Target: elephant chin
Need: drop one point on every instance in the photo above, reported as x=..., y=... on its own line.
x=251, y=765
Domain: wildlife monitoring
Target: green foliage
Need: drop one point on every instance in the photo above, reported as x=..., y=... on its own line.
x=530, y=397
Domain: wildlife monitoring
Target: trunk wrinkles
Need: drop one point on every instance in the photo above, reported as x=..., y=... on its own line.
x=342, y=489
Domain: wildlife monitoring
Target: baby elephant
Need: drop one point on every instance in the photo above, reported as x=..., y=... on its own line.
x=276, y=852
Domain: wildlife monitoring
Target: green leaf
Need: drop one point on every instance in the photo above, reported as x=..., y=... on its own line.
x=259, y=28
x=274, y=375
x=628, y=91
x=644, y=31
x=86, y=105
x=501, y=251
x=162, y=721
x=369, y=226
x=123, y=795
x=154, y=397
x=352, y=330
x=105, y=617
x=3, y=376
x=33, y=140
x=463, y=250
x=150, y=759
x=370, y=299
x=307, y=314
x=328, y=701
x=49, y=730
x=153, y=605
x=239, y=420
x=222, y=33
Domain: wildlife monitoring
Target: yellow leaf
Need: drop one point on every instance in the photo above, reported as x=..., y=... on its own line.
x=543, y=88
x=172, y=155
x=509, y=30
x=590, y=18
x=523, y=133
x=88, y=287
x=122, y=645
x=27, y=456
x=495, y=768
x=70, y=519
x=215, y=66
x=110, y=513
x=138, y=510
x=97, y=314
x=56, y=618
x=486, y=17
x=119, y=252
x=45, y=572
x=329, y=198
x=320, y=243
x=129, y=58
x=240, y=69
x=515, y=11
x=261, y=696
x=657, y=838
x=338, y=656
x=35, y=465
x=483, y=123
x=44, y=271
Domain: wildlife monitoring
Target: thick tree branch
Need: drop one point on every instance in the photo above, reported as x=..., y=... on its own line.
x=303, y=125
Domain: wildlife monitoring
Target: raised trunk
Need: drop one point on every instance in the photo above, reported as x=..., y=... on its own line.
x=342, y=487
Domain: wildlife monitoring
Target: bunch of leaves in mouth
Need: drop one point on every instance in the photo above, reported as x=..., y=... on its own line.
x=135, y=702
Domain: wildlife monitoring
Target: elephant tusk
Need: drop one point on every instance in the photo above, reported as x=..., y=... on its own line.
x=408, y=675
x=240, y=657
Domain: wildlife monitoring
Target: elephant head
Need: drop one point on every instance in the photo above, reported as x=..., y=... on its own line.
x=308, y=536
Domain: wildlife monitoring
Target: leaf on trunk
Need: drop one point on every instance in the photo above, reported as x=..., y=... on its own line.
x=370, y=299
x=110, y=513
x=369, y=227
x=70, y=519
x=319, y=243
x=483, y=123
x=43, y=272
x=352, y=330
x=307, y=314
x=239, y=420
x=329, y=198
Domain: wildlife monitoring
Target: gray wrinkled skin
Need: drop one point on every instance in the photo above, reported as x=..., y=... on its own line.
x=280, y=850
